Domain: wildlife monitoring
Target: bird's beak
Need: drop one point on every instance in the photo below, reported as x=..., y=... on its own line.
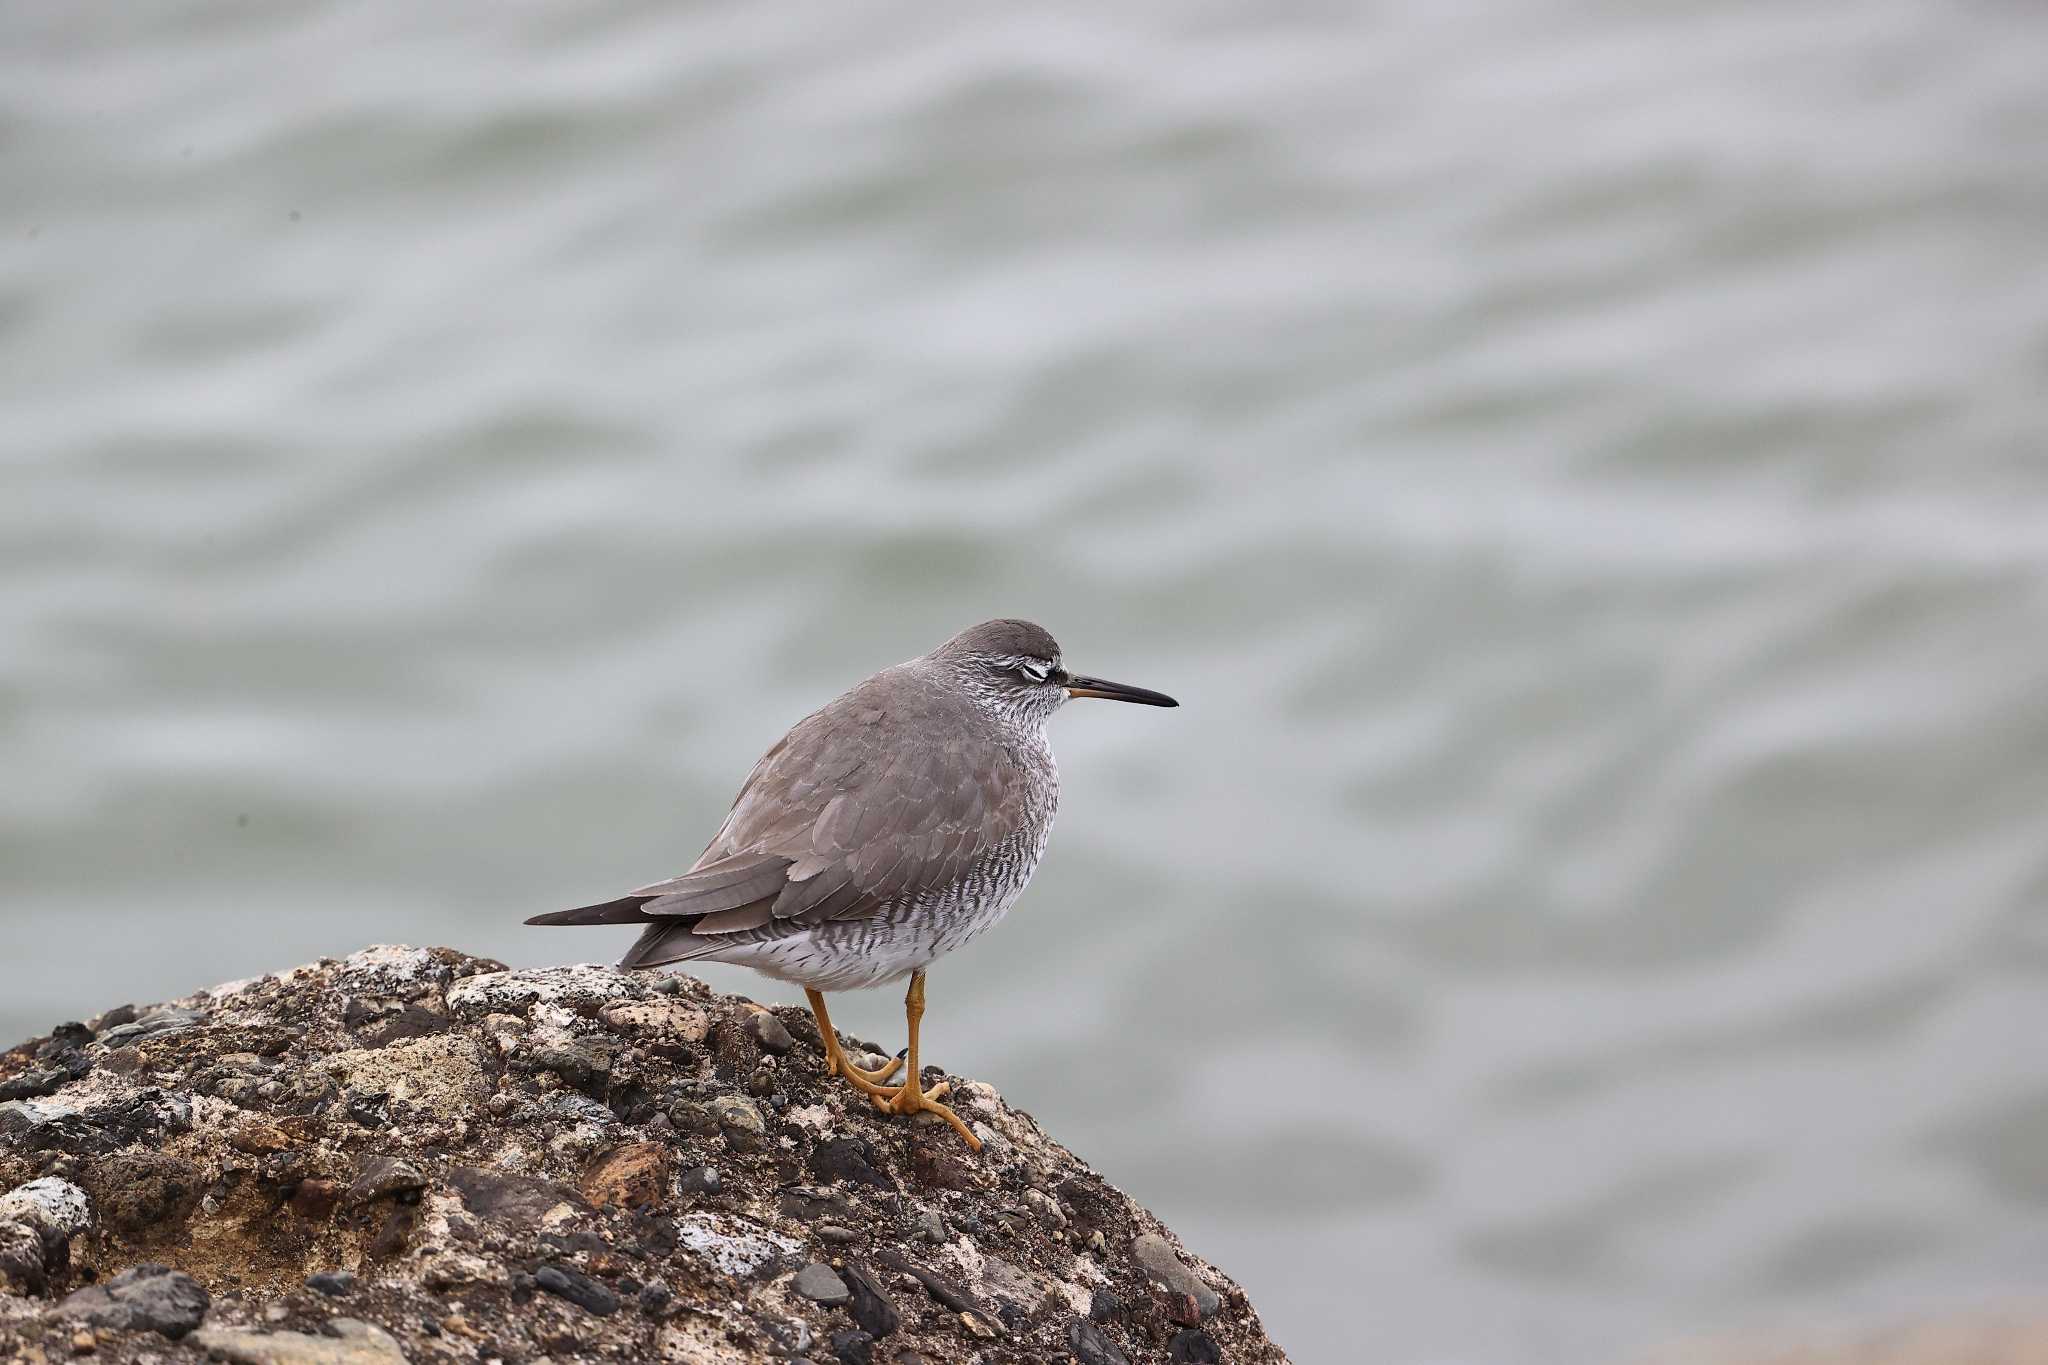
x=1079, y=686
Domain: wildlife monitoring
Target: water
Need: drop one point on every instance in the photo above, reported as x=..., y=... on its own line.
x=1579, y=464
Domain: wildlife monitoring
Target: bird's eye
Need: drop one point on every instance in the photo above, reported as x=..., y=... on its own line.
x=1033, y=671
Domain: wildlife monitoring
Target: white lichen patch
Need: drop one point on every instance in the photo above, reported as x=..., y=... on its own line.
x=738, y=1252
x=815, y=1117
x=515, y=992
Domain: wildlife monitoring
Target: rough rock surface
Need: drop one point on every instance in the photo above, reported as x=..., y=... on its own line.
x=474, y=1164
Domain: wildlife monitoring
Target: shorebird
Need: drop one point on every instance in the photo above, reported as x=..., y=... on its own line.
x=878, y=835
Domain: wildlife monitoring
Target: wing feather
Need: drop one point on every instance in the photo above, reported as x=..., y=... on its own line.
x=860, y=805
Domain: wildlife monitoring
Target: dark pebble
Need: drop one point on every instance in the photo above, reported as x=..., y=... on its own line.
x=948, y=1294
x=1091, y=1347
x=1104, y=1305
x=853, y=1348
x=871, y=1305
x=848, y=1159
x=655, y=1298
x=701, y=1180
x=333, y=1283
x=1194, y=1347
x=577, y=1288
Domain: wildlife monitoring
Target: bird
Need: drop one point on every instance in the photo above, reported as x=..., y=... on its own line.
x=885, y=830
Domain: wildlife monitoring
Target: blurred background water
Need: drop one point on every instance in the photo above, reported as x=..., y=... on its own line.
x=1580, y=465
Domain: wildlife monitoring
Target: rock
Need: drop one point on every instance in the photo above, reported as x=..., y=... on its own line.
x=853, y=1348
x=630, y=1177
x=738, y=1114
x=1091, y=1347
x=1163, y=1264
x=1193, y=1346
x=584, y=1064
x=819, y=1284
x=770, y=1033
x=871, y=1305
x=152, y=1025
x=23, y=1268
x=385, y=1177
x=577, y=1288
x=848, y=1159
x=145, y=1298
x=700, y=1180
x=387, y=1113
x=442, y=1077
x=517, y=1199
x=376, y=1347
x=57, y=1209
x=143, y=1193
x=334, y=1284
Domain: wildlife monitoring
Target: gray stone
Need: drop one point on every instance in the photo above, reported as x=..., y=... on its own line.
x=821, y=1284
x=770, y=1033
x=1156, y=1254
x=151, y=1025
x=144, y=1298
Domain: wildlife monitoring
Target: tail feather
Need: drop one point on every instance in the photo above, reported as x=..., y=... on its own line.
x=667, y=941
x=624, y=910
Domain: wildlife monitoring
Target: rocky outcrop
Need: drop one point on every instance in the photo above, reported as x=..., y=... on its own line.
x=411, y=1154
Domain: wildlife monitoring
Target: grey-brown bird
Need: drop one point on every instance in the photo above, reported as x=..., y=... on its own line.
x=878, y=835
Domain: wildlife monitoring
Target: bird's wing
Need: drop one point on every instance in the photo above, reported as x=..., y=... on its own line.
x=880, y=795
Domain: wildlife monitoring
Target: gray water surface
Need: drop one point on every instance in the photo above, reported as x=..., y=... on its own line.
x=1579, y=464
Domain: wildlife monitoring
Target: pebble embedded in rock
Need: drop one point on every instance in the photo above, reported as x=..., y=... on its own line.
x=738, y=1112
x=297, y=1348
x=655, y=1298
x=629, y=1177
x=1193, y=1346
x=143, y=1298
x=700, y=1180
x=1157, y=1255
x=770, y=1033
x=848, y=1159
x=333, y=1283
x=1091, y=1347
x=853, y=1348
x=386, y=1177
x=577, y=1288
x=821, y=1284
x=871, y=1305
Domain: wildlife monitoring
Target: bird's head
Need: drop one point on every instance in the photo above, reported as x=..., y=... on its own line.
x=1015, y=667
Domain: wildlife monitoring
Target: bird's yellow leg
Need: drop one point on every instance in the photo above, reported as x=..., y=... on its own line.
x=911, y=1097
x=837, y=1063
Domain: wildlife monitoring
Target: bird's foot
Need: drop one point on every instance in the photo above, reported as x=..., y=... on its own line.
x=910, y=1098
x=837, y=1063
